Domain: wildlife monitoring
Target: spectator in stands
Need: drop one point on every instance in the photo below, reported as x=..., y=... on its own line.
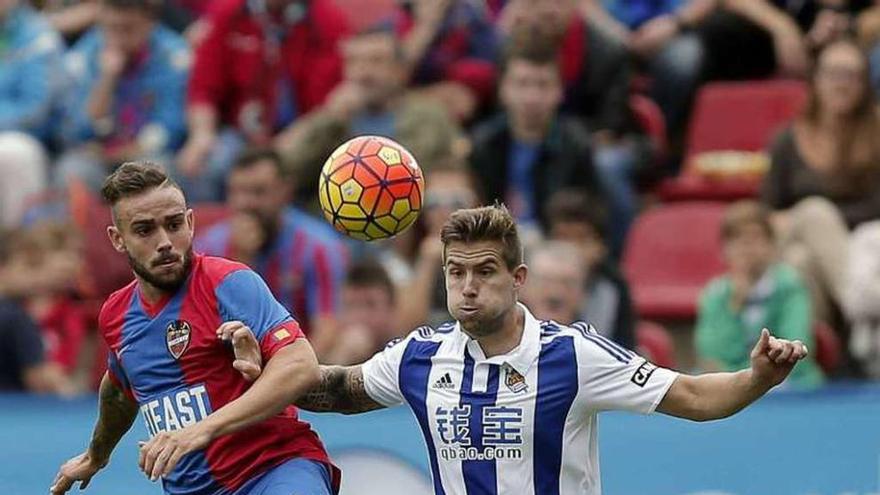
x=451, y=48
x=370, y=100
x=825, y=172
x=861, y=297
x=259, y=65
x=706, y=40
x=607, y=304
x=596, y=76
x=129, y=80
x=555, y=290
x=301, y=258
x=52, y=253
x=29, y=83
x=756, y=293
x=523, y=154
x=368, y=314
x=451, y=188
x=23, y=365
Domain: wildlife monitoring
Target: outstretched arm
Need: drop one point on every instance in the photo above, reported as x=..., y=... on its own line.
x=116, y=414
x=719, y=395
x=341, y=389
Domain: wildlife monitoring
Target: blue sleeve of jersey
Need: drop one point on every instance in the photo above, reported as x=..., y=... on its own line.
x=116, y=371
x=244, y=296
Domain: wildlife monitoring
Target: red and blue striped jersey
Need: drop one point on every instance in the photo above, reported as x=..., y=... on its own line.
x=168, y=358
x=304, y=265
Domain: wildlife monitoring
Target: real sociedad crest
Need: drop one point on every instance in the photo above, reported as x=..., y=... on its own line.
x=515, y=381
x=177, y=337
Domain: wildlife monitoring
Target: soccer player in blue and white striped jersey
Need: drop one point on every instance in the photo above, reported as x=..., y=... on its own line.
x=508, y=404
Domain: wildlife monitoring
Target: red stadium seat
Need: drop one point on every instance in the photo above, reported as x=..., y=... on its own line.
x=655, y=344
x=733, y=116
x=672, y=252
x=828, y=347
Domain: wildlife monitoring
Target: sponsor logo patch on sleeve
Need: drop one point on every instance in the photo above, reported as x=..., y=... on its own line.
x=643, y=373
x=281, y=334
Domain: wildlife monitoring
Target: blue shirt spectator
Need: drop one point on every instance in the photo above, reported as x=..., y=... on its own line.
x=634, y=13
x=149, y=95
x=30, y=55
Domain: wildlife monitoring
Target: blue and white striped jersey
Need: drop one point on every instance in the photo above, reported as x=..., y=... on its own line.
x=521, y=423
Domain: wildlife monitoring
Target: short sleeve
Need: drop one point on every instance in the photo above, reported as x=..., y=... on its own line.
x=117, y=374
x=615, y=378
x=382, y=373
x=244, y=296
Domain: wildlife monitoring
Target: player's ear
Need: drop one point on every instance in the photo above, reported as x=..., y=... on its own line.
x=190, y=220
x=116, y=239
x=520, y=274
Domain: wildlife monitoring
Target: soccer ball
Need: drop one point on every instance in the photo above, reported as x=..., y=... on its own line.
x=371, y=188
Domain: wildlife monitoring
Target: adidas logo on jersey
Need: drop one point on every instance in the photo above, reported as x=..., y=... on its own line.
x=444, y=383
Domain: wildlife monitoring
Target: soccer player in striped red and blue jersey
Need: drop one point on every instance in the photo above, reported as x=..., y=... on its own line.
x=173, y=335
x=508, y=404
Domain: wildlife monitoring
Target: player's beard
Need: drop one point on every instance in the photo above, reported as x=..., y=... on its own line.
x=165, y=284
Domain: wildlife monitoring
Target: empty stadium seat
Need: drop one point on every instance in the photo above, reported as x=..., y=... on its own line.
x=673, y=250
x=655, y=344
x=733, y=116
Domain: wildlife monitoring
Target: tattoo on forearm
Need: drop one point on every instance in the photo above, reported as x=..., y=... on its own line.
x=341, y=390
x=117, y=413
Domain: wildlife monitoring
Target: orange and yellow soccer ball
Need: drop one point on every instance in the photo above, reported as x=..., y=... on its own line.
x=371, y=188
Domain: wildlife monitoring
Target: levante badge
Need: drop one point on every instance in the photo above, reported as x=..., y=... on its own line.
x=177, y=337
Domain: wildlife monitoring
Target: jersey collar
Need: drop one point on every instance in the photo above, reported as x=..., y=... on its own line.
x=522, y=356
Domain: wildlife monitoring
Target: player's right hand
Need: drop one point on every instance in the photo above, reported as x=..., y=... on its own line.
x=248, y=357
x=81, y=468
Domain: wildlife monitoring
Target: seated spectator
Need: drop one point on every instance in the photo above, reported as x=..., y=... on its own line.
x=129, y=80
x=825, y=170
x=606, y=303
x=705, y=40
x=29, y=83
x=23, y=365
x=51, y=252
x=367, y=317
x=30, y=74
x=370, y=100
x=555, y=289
x=451, y=48
x=523, y=154
x=301, y=257
x=861, y=297
x=756, y=293
x=258, y=66
x=451, y=188
x=596, y=77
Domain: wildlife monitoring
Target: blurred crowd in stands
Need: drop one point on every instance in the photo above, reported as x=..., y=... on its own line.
x=684, y=172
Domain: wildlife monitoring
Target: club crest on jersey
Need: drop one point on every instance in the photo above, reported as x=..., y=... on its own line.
x=515, y=381
x=177, y=337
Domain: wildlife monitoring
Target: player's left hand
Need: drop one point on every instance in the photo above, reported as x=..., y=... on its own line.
x=773, y=359
x=248, y=358
x=159, y=456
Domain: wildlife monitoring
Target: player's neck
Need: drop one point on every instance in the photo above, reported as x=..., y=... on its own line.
x=152, y=294
x=507, y=338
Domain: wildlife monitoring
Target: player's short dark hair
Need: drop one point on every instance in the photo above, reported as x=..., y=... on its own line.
x=742, y=213
x=573, y=205
x=132, y=179
x=487, y=223
x=151, y=7
x=368, y=273
x=532, y=47
x=257, y=154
